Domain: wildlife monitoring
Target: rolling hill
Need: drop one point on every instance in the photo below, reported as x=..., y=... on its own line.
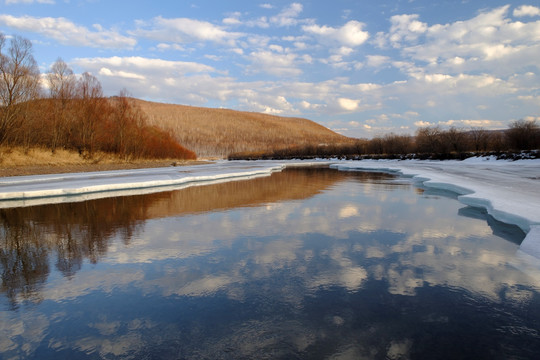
x=220, y=132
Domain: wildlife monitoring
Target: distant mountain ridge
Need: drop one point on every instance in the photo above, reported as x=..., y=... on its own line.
x=214, y=132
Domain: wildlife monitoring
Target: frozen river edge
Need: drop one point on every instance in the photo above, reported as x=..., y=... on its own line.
x=509, y=191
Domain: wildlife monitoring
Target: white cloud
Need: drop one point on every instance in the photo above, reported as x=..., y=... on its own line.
x=483, y=123
x=405, y=28
x=288, y=16
x=233, y=19
x=348, y=104
x=489, y=42
x=66, y=32
x=377, y=60
x=165, y=47
x=274, y=63
x=351, y=34
x=526, y=10
x=422, y=123
x=185, y=30
x=119, y=73
x=140, y=67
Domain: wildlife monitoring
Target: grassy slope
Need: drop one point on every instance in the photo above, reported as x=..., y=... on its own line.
x=220, y=132
x=16, y=161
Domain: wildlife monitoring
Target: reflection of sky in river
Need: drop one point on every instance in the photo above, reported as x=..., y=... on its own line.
x=349, y=272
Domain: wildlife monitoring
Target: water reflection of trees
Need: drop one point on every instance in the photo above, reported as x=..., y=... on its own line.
x=75, y=232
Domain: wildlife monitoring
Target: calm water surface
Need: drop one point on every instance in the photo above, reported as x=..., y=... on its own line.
x=305, y=264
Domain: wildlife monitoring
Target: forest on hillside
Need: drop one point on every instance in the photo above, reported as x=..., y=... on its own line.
x=72, y=112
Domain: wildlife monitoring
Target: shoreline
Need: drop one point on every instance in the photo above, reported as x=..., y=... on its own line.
x=31, y=170
x=17, y=161
x=509, y=191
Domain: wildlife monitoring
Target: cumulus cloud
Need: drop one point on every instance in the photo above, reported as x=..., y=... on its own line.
x=405, y=28
x=69, y=33
x=348, y=104
x=488, y=36
x=351, y=34
x=526, y=10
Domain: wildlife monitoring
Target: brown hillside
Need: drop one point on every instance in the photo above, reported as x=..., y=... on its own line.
x=220, y=132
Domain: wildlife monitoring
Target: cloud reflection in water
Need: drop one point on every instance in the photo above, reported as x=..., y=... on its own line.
x=305, y=262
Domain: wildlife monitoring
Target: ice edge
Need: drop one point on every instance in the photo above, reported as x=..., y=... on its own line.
x=171, y=178
x=529, y=250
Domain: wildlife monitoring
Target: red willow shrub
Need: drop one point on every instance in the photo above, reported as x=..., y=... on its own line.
x=75, y=115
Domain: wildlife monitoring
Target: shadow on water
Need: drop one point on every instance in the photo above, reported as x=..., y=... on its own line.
x=509, y=232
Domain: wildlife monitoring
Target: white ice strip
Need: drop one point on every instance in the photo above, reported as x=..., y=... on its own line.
x=41, y=189
x=107, y=181
x=117, y=193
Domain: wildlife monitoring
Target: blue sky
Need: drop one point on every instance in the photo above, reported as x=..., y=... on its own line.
x=362, y=68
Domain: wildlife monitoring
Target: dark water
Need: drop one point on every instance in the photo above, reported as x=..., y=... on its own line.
x=305, y=264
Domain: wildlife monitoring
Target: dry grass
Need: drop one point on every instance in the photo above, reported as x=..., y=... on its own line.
x=15, y=161
x=220, y=132
x=17, y=156
x=211, y=133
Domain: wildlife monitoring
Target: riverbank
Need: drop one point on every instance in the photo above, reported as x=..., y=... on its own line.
x=35, y=161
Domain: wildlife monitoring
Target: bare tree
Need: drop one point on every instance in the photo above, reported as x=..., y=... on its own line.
x=19, y=81
x=523, y=135
x=479, y=138
x=455, y=139
x=128, y=121
x=394, y=144
x=62, y=85
x=61, y=81
x=91, y=110
x=428, y=139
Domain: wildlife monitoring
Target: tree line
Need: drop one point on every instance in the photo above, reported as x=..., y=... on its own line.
x=71, y=112
x=432, y=142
